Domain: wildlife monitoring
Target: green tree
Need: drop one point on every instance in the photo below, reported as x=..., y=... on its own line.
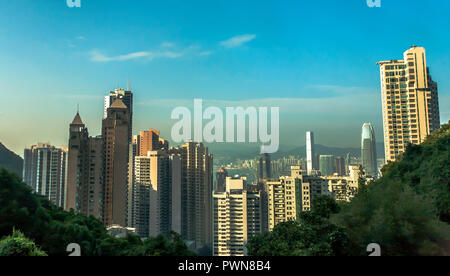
x=17, y=245
x=311, y=235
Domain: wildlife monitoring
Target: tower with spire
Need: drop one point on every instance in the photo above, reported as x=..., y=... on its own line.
x=84, y=171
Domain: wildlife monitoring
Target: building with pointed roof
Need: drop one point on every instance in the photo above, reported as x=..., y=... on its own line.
x=84, y=171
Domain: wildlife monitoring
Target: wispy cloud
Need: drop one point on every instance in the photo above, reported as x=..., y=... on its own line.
x=205, y=53
x=167, y=45
x=238, y=41
x=98, y=56
x=80, y=37
x=166, y=50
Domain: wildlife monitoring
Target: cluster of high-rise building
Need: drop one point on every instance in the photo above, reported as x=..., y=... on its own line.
x=140, y=184
x=136, y=183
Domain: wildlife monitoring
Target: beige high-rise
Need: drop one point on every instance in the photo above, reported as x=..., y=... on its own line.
x=291, y=195
x=283, y=200
x=156, y=194
x=196, y=193
x=237, y=217
x=115, y=133
x=410, y=102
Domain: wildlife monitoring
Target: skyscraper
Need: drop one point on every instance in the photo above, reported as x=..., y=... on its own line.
x=160, y=192
x=339, y=166
x=221, y=176
x=369, y=151
x=149, y=141
x=84, y=171
x=410, y=102
x=347, y=164
x=326, y=165
x=196, y=193
x=237, y=217
x=310, y=152
x=127, y=98
x=155, y=202
x=116, y=137
x=139, y=198
x=45, y=171
x=264, y=167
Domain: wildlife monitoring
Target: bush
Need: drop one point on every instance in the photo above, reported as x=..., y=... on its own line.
x=17, y=245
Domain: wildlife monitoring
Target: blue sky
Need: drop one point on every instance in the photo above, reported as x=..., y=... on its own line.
x=316, y=60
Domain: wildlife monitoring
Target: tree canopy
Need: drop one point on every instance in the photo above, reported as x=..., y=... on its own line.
x=53, y=229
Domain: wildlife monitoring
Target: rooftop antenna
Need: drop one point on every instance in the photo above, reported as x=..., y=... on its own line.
x=128, y=85
x=78, y=108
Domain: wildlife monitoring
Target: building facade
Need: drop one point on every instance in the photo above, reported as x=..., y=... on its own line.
x=84, y=171
x=326, y=165
x=196, y=194
x=264, y=167
x=410, y=102
x=221, y=177
x=339, y=166
x=116, y=137
x=291, y=195
x=126, y=96
x=237, y=217
x=44, y=171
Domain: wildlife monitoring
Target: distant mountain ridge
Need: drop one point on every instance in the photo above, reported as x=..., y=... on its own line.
x=249, y=151
x=10, y=161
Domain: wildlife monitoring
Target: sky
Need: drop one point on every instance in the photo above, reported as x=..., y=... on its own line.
x=315, y=60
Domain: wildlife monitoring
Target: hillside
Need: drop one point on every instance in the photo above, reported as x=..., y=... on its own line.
x=52, y=229
x=406, y=212
x=10, y=161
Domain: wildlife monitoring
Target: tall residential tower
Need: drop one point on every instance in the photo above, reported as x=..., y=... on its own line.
x=45, y=171
x=237, y=217
x=84, y=171
x=126, y=96
x=116, y=137
x=410, y=102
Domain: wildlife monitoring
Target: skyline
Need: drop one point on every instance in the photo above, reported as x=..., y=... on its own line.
x=270, y=55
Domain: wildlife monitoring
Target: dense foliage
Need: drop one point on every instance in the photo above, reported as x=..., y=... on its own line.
x=53, y=229
x=17, y=245
x=311, y=235
x=406, y=212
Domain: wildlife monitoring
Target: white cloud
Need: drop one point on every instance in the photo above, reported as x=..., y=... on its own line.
x=97, y=56
x=238, y=40
x=80, y=37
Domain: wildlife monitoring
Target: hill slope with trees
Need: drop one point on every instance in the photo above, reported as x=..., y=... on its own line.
x=52, y=229
x=406, y=212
